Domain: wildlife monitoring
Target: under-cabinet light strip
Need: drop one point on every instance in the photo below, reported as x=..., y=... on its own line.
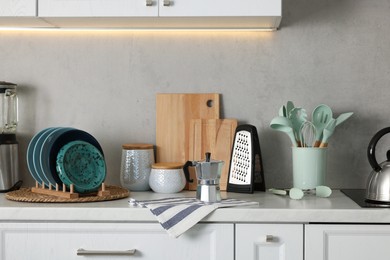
x=142, y=29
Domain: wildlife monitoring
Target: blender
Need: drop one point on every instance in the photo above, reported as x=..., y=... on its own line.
x=9, y=163
x=208, y=173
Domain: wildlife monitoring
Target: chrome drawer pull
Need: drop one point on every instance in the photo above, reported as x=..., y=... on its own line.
x=82, y=251
x=167, y=2
x=269, y=238
x=149, y=2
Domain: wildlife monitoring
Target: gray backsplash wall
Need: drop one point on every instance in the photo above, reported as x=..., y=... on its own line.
x=334, y=52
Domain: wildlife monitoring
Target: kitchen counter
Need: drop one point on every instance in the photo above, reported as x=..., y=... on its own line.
x=271, y=209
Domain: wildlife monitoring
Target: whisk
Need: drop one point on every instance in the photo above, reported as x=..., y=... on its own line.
x=308, y=134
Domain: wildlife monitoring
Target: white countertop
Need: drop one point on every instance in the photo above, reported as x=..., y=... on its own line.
x=271, y=209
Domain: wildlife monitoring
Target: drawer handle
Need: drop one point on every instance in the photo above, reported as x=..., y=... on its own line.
x=269, y=238
x=167, y=2
x=149, y=2
x=82, y=251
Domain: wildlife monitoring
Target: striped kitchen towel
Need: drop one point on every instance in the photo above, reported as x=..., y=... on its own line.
x=177, y=215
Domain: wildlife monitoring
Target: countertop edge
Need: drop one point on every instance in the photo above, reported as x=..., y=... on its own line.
x=271, y=209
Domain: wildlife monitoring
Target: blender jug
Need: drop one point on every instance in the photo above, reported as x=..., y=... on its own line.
x=9, y=163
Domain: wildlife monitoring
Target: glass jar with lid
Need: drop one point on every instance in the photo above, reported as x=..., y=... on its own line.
x=136, y=163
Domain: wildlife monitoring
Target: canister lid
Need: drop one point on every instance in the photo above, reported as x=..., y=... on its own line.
x=167, y=166
x=137, y=146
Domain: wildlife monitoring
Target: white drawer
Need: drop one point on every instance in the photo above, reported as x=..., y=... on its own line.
x=96, y=8
x=23, y=241
x=269, y=241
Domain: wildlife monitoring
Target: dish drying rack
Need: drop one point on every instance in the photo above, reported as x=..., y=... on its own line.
x=71, y=194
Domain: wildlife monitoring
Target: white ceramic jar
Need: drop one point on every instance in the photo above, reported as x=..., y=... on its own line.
x=167, y=177
x=137, y=160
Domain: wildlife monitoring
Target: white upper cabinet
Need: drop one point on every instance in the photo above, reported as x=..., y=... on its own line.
x=18, y=8
x=20, y=14
x=220, y=8
x=223, y=14
x=97, y=8
x=145, y=14
x=142, y=14
x=172, y=8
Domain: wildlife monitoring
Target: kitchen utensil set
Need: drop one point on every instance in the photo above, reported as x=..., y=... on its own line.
x=303, y=133
x=64, y=155
x=309, y=165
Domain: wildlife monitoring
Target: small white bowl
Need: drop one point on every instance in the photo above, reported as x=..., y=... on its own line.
x=167, y=178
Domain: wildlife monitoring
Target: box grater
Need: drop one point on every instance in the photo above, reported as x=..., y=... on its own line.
x=246, y=172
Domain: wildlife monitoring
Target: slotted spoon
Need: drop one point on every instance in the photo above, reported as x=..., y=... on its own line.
x=289, y=107
x=282, y=111
x=322, y=114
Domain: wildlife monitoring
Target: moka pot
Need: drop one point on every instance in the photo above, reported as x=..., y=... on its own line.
x=208, y=174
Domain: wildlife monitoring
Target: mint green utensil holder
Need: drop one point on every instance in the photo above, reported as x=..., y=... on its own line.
x=309, y=167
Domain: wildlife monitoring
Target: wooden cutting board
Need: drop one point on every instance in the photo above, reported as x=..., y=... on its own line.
x=215, y=136
x=173, y=116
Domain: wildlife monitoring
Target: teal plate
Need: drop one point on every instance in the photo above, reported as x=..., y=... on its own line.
x=35, y=156
x=81, y=164
x=44, y=153
x=30, y=155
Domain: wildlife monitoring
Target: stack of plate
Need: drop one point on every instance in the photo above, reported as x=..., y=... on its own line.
x=64, y=155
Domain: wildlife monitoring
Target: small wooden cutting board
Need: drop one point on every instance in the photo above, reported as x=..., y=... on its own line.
x=215, y=136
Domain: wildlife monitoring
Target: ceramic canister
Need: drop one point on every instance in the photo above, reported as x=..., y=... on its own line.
x=137, y=160
x=309, y=167
x=167, y=177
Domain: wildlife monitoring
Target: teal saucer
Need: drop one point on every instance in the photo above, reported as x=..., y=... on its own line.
x=81, y=164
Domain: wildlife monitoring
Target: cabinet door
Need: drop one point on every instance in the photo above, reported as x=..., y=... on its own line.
x=341, y=242
x=97, y=8
x=269, y=241
x=219, y=8
x=61, y=241
x=18, y=8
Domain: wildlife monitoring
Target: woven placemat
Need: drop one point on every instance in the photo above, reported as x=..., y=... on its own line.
x=25, y=195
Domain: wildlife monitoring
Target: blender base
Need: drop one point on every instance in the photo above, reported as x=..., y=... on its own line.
x=16, y=186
